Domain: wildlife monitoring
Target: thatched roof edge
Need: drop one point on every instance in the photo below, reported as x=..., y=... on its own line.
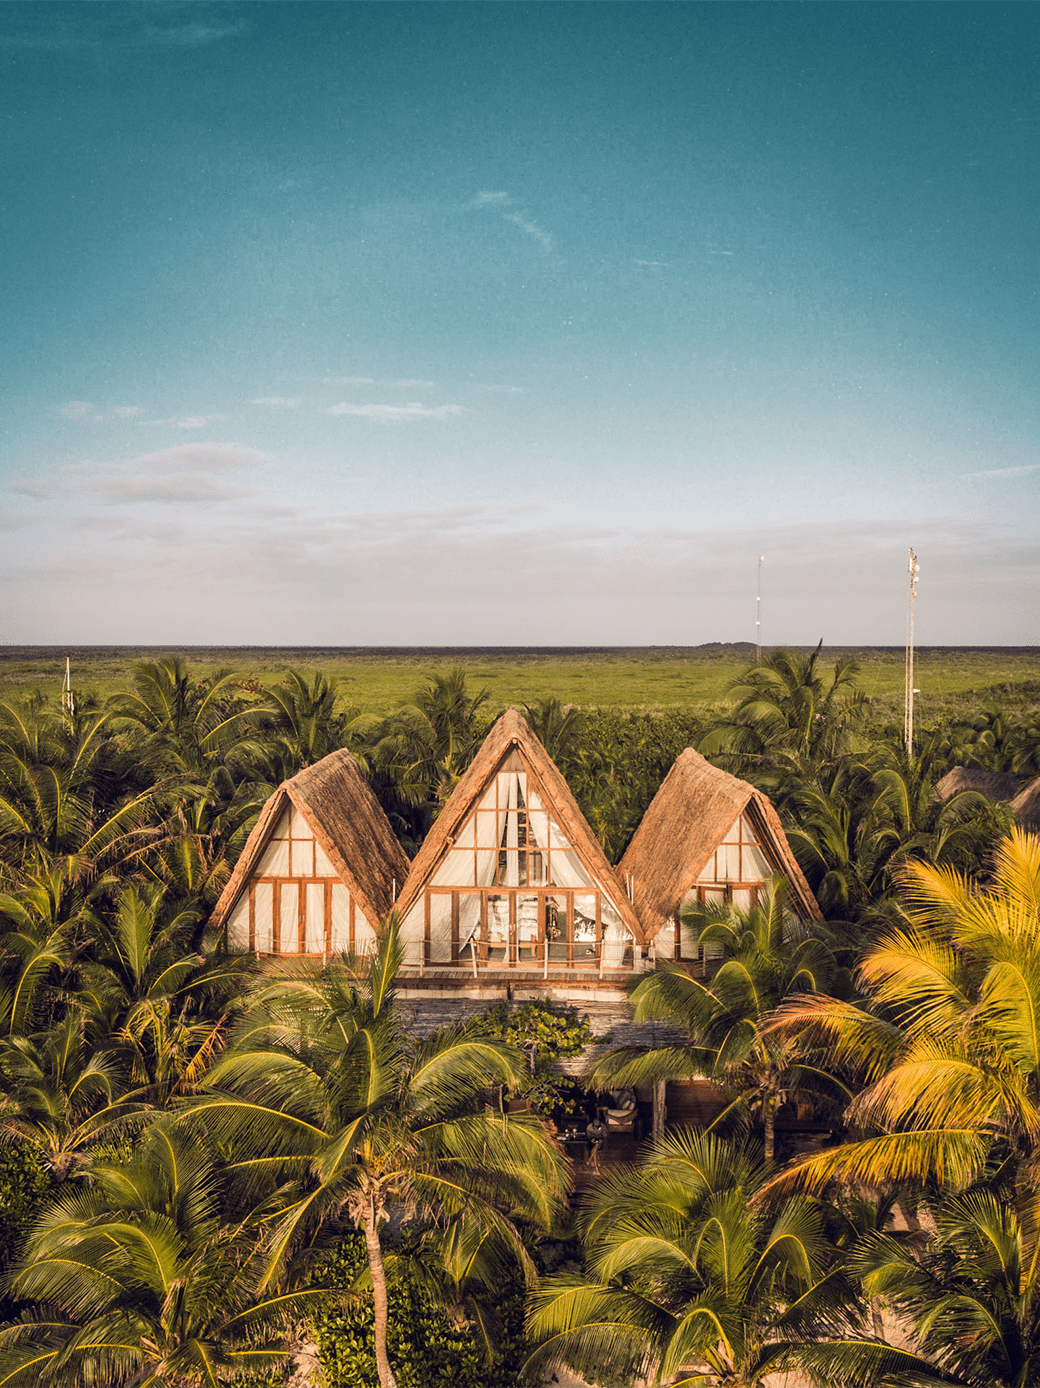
x=995, y=785
x=1026, y=807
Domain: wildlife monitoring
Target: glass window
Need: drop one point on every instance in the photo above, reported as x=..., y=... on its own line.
x=238, y=924
x=315, y=918
x=322, y=865
x=263, y=917
x=364, y=935
x=440, y=927
x=289, y=918
x=528, y=920
x=340, y=918
x=302, y=858
x=275, y=861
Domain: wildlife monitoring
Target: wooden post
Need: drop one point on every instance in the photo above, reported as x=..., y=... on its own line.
x=660, y=1110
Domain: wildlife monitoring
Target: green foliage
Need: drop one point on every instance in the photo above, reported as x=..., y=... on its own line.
x=546, y=1033
x=24, y=1185
x=429, y=1346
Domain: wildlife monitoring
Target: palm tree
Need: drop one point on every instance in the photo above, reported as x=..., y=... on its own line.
x=946, y=1044
x=767, y=957
x=66, y=796
x=689, y=1278
x=789, y=717
x=59, y=1096
x=965, y=1292
x=426, y=745
x=558, y=729
x=305, y=719
x=155, y=991
x=324, y=1086
x=138, y=1278
x=188, y=725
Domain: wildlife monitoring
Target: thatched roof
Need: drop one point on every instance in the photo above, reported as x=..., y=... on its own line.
x=994, y=785
x=686, y=821
x=347, y=820
x=512, y=733
x=1026, y=806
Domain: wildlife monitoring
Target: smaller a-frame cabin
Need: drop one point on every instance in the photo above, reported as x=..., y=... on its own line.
x=706, y=837
x=320, y=870
x=511, y=885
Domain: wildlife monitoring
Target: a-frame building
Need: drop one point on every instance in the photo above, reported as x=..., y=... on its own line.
x=511, y=886
x=320, y=870
x=706, y=837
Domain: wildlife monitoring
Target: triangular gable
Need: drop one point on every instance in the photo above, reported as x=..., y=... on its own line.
x=696, y=811
x=325, y=831
x=513, y=789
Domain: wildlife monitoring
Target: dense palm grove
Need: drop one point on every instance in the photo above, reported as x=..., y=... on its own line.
x=216, y=1172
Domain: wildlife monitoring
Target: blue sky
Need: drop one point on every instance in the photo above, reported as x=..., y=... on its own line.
x=501, y=324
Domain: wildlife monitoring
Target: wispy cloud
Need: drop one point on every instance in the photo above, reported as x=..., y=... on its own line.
x=995, y=473
x=395, y=414
x=510, y=209
x=662, y=263
x=504, y=390
x=275, y=402
x=392, y=383
x=186, y=421
x=83, y=412
x=195, y=35
x=109, y=26
x=191, y=473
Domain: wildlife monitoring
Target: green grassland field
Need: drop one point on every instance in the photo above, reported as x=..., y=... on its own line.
x=953, y=681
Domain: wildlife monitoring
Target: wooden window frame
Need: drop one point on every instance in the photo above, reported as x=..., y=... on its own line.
x=301, y=883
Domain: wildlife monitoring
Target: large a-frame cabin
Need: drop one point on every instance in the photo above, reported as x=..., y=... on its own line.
x=511, y=893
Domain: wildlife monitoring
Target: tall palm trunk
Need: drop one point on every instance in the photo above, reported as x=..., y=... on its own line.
x=769, y=1126
x=379, y=1297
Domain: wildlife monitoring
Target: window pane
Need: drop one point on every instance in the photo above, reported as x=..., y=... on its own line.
x=275, y=861
x=456, y=870
x=316, y=918
x=469, y=926
x=340, y=918
x=728, y=863
x=290, y=919
x=528, y=918
x=238, y=924
x=364, y=935
x=440, y=927
x=755, y=864
x=302, y=858
x=322, y=866
x=497, y=929
x=263, y=914
x=412, y=929
x=556, y=927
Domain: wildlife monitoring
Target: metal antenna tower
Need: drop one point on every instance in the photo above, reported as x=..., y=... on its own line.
x=913, y=568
